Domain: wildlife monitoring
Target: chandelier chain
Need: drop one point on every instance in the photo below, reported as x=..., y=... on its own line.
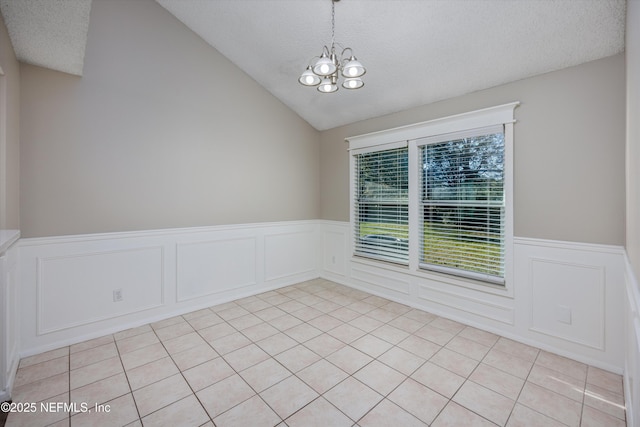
x=333, y=22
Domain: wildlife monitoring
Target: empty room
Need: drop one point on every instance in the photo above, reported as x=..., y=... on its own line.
x=320, y=213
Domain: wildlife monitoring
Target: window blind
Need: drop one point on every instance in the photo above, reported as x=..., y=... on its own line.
x=463, y=204
x=382, y=204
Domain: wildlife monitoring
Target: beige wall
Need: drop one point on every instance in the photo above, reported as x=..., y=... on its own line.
x=9, y=134
x=161, y=131
x=633, y=134
x=569, y=151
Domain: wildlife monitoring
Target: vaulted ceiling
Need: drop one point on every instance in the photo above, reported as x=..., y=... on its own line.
x=415, y=51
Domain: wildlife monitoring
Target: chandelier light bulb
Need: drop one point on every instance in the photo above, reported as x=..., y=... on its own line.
x=328, y=85
x=353, y=68
x=324, y=66
x=308, y=78
x=354, y=83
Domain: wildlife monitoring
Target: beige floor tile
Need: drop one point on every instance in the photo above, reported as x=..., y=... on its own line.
x=604, y=401
x=326, y=306
x=319, y=413
x=349, y=359
x=40, y=417
x=344, y=314
x=41, y=390
x=517, y=349
x=230, y=343
x=270, y=313
x=371, y=345
x=322, y=375
x=508, y=363
x=419, y=347
x=468, y=348
x=353, y=398
x=387, y=414
x=254, y=305
x=277, y=299
x=208, y=373
x=101, y=391
x=252, y=412
x=380, y=377
x=454, y=362
x=143, y=356
x=551, y=404
x=277, y=343
x=95, y=372
x=232, y=313
x=497, y=380
x=390, y=334
x=562, y=364
x=288, y=396
x=132, y=332
x=346, y=333
x=361, y=307
x=206, y=320
x=117, y=412
x=479, y=336
x=324, y=345
x=396, y=307
x=606, y=380
x=227, y=305
x=438, y=379
x=174, y=331
x=401, y=360
x=325, y=322
x=184, y=412
x=151, y=372
x=435, y=335
x=43, y=357
x=224, y=395
x=306, y=313
x=167, y=322
x=291, y=306
x=41, y=371
x=245, y=357
x=303, y=332
x=265, y=374
x=160, y=394
x=521, y=416
x=195, y=314
x=454, y=415
x=194, y=356
x=376, y=300
x=96, y=342
x=127, y=345
x=259, y=332
x=216, y=331
x=244, y=322
x=487, y=403
x=297, y=358
x=93, y=355
x=366, y=323
x=593, y=418
x=447, y=325
x=418, y=400
x=557, y=382
x=183, y=342
x=406, y=324
x=420, y=316
x=284, y=322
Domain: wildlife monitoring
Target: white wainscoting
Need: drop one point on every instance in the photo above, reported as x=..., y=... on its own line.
x=68, y=283
x=632, y=348
x=565, y=297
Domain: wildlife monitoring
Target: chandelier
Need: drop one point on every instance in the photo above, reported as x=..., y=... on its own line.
x=324, y=72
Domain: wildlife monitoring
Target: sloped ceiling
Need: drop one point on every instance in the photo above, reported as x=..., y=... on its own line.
x=415, y=51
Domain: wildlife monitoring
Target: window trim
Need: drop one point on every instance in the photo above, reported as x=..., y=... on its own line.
x=410, y=134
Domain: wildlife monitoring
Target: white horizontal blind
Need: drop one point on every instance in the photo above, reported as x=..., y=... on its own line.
x=463, y=204
x=381, y=205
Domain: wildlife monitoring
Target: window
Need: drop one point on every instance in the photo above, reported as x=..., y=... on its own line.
x=462, y=204
x=440, y=199
x=382, y=205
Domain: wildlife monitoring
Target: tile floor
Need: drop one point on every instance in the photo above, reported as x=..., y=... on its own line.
x=312, y=354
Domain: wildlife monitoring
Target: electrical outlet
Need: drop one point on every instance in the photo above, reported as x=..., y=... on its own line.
x=117, y=295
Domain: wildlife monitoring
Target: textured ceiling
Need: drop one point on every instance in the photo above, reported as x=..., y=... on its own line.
x=49, y=33
x=415, y=51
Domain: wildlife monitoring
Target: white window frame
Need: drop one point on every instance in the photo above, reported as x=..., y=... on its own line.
x=493, y=116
